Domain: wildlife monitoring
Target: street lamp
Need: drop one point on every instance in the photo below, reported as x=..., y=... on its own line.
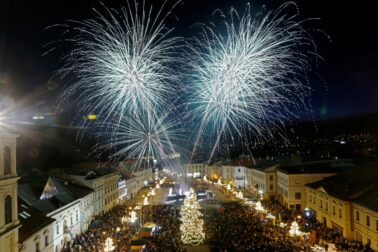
x=261, y=194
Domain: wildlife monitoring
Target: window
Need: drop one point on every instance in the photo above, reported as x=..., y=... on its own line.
x=71, y=220
x=77, y=216
x=333, y=210
x=376, y=225
x=367, y=220
x=297, y=195
x=357, y=216
x=326, y=206
x=46, y=239
x=37, y=246
x=57, y=228
x=340, y=213
x=271, y=177
x=7, y=161
x=271, y=187
x=8, y=209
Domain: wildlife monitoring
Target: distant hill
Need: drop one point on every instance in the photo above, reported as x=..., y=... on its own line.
x=352, y=125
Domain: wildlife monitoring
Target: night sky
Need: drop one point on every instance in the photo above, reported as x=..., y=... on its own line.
x=349, y=70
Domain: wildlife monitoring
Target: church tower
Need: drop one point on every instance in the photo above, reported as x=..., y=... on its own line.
x=9, y=223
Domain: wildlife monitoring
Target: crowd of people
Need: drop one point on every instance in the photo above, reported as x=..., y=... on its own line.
x=230, y=227
x=235, y=227
x=326, y=235
x=102, y=227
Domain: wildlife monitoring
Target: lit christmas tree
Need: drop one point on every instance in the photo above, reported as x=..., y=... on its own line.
x=294, y=229
x=191, y=220
x=108, y=246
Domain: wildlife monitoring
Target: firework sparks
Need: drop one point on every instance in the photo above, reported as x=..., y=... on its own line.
x=141, y=139
x=251, y=75
x=121, y=62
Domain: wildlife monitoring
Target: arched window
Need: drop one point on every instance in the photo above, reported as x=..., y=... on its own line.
x=8, y=209
x=7, y=160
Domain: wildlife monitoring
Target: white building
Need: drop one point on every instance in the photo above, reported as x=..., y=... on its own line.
x=195, y=170
x=37, y=230
x=103, y=181
x=9, y=223
x=58, y=200
x=262, y=182
x=240, y=177
x=122, y=190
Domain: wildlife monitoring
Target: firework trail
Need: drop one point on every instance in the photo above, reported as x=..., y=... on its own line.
x=122, y=67
x=122, y=62
x=141, y=139
x=250, y=75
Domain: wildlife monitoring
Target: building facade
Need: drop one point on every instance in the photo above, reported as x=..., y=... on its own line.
x=240, y=177
x=195, y=170
x=262, y=182
x=9, y=223
x=291, y=180
x=348, y=202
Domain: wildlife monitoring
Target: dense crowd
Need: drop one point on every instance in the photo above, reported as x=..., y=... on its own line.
x=231, y=227
x=102, y=227
x=326, y=235
x=235, y=227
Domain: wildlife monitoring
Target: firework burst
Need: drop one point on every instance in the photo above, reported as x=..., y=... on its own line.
x=250, y=75
x=121, y=62
x=141, y=139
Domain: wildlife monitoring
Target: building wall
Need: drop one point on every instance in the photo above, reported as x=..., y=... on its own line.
x=110, y=190
x=122, y=191
x=239, y=176
x=365, y=224
x=213, y=172
x=227, y=174
x=66, y=224
x=332, y=212
x=43, y=239
x=8, y=187
x=291, y=189
x=258, y=183
x=196, y=170
x=86, y=211
x=99, y=192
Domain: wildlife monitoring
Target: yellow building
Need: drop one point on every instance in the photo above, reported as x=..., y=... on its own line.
x=348, y=202
x=9, y=223
x=262, y=182
x=291, y=180
x=365, y=219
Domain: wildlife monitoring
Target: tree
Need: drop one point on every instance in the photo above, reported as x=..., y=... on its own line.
x=191, y=220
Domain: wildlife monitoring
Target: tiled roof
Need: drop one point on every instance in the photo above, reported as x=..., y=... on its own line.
x=327, y=166
x=31, y=220
x=358, y=184
x=29, y=190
